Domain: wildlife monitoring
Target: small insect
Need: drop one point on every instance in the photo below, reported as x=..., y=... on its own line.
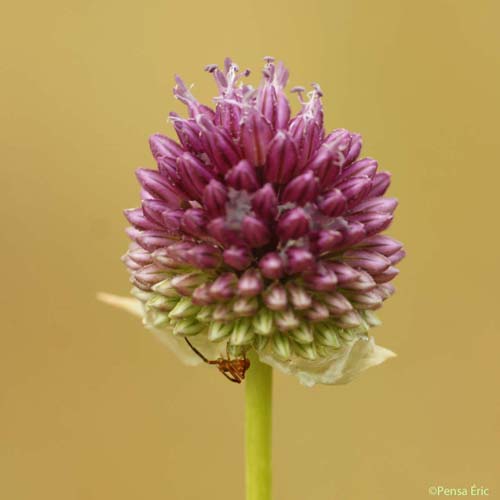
x=233, y=369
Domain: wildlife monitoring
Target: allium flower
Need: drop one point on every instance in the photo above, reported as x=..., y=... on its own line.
x=258, y=230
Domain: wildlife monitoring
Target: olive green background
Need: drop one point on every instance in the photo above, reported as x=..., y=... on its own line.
x=93, y=407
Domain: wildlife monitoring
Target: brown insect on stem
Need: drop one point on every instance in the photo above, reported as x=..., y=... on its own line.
x=233, y=369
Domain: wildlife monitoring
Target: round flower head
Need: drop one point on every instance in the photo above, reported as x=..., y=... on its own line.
x=259, y=230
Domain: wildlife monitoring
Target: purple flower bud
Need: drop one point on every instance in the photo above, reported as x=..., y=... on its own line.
x=317, y=312
x=345, y=145
x=186, y=283
x=306, y=130
x=355, y=189
x=271, y=100
x=214, y=198
x=345, y=274
x=238, y=257
x=189, y=133
x=281, y=161
x=255, y=232
x=396, y=257
x=255, y=135
x=201, y=295
x=193, y=174
x=219, y=145
x=151, y=240
x=372, y=262
x=243, y=177
x=265, y=203
x=385, y=290
x=224, y=286
x=333, y=203
x=337, y=303
x=172, y=220
x=131, y=265
x=150, y=275
x=353, y=234
x=352, y=152
x=161, y=257
x=378, y=204
x=139, y=255
x=164, y=147
x=293, y=224
x=389, y=274
x=325, y=167
x=364, y=282
x=275, y=297
x=373, y=222
x=179, y=250
x=204, y=256
x=136, y=217
x=382, y=244
x=266, y=101
x=327, y=240
x=380, y=184
x=282, y=115
x=250, y=283
x=303, y=189
x=218, y=229
x=158, y=186
x=323, y=279
x=271, y=265
x=299, y=260
x=299, y=297
x=366, y=300
x=361, y=168
x=153, y=210
x=194, y=222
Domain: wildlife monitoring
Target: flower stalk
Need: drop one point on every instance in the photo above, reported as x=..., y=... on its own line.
x=258, y=430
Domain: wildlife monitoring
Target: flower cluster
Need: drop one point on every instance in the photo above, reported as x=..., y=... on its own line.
x=260, y=231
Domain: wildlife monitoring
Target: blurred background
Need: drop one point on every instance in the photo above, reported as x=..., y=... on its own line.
x=91, y=405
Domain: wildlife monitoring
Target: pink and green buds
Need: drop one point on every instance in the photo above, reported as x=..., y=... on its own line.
x=260, y=230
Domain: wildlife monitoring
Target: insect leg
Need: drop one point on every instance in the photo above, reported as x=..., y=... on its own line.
x=197, y=352
x=224, y=372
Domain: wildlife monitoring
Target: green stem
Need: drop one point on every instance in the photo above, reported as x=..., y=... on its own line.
x=258, y=430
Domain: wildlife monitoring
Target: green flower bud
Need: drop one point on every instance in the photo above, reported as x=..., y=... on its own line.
x=303, y=334
x=281, y=345
x=323, y=350
x=222, y=312
x=186, y=327
x=371, y=318
x=219, y=330
x=260, y=342
x=349, y=320
x=286, y=320
x=348, y=334
x=328, y=335
x=242, y=332
x=205, y=314
x=165, y=288
x=184, y=309
x=306, y=351
x=245, y=306
x=141, y=294
x=156, y=319
x=263, y=322
x=235, y=351
x=161, y=302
